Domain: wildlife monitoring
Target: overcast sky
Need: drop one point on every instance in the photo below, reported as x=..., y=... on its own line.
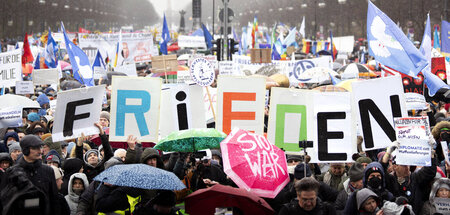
x=161, y=5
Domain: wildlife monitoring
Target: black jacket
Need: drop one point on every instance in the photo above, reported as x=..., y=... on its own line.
x=89, y=170
x=112, y=198
x=322, y=208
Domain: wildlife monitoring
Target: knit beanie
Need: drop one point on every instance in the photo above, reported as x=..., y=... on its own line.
x=364, y=160
x=356, y=172
x=13, y=145
x=105, y=115
x=299, y=171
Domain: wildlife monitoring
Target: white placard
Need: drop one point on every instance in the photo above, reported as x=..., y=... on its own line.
x=376, y=103
x=444, y=147
x=135, y=108
x=344, y=44
x=99, y=72
x=180, y=109
x=415, y=101
x=191, y=41
x=412, y=128
x=45, y=76
x=184, y=76
x=226, y=68
x=240, y=103
x=442, y=205
x=24, y=87
x=128, y=69
x=415, y=152
x=77, y=111
x=209, y=116
x=11, y=117
x=10, y=68
x=202, y=72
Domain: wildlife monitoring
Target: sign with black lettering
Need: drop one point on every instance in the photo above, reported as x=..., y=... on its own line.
x=377, y=102
x=10, y=117
x=10, y=68
x=76, y=112
x=181, y=108
x=24, y=87
x=442, y=205
x=334, y=128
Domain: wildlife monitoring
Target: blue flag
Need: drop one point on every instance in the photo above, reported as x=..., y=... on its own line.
x=275, y=54
x=50, y=51
x=334, y=80
x=165, y=37
x=80, y=62
x=98, y=62
x=425, y=46
x=389, y=45
x=436, y=40
x=208, y=37
x=37, y=63
x=445, y=38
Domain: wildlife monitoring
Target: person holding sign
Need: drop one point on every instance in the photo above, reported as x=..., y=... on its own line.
x=440, y=189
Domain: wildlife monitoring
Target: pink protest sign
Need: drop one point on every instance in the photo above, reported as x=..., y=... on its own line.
x=254, y=164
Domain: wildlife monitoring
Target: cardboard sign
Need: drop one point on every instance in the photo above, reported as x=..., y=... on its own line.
x=128, y=69
x=164, y=63
x=11, y=117
x=180, y=109
x=135, y=106
x=415, y=101
x=191, y=41
x=333, y=126
x=45, y=76
x=10, y=68
x=24, y=87
x=209, y=116
x=260, y=55
x=77, y=111
x=288, y=118
x=442, y=205
x=377, y=102
x=240, y=103
x=202, y=72
x=413, y=134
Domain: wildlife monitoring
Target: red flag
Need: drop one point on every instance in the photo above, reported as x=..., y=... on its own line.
x=27, y=57
x=82, y=30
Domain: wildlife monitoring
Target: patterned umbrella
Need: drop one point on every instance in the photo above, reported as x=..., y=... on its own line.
x=191, y=140
x=355, y=70
x=140, y=176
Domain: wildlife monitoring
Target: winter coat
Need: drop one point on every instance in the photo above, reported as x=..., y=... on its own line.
x=322, y=208
x=113, y=198
x=133, y=156
x=149, y=153
x=86, y=206
x=362, y=196
x=326, y=193
x=428, y=207
x=92, y=171
x=342, y=197
x=72, y=198
x=331, y=180
x=71, y=166
x=420, y=186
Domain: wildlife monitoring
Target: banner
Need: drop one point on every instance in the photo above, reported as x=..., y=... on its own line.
x=333, y=126
x=24, y=87
x=376, y=103
x=135, y=108
x=191, y=42
x=180, y=108
x=76, y=112
x=45, y=76
x=135, y=47
x=240, y=103
x=10, y=68
x=413, y=135
x=289, y=117
x=11, y=117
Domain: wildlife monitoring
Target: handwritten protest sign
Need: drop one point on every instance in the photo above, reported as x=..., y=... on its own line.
x=415, y=101
x=10, y=68
x=240, y=103
x=24, y=87
x=191, y=41
x=442, y=205
x=10, y=117
x=45, y=76
x=226, y=68
x=413, y=134
x=135, y=108
x=77, y=111
x=376, y=103
x=180, y=108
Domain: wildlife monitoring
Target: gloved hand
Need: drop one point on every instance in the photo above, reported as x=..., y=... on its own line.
x=392, y=147
x=432, y=141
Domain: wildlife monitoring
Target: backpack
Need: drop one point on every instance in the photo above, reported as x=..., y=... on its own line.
x=21, y=196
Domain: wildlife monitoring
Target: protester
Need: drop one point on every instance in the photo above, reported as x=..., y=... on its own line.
x=334, y=176
x=352, y=184
x=14, y=150
x=61, y=201
x=70, y=167
x=77, y=184
x=367, y=202
x=440, y=189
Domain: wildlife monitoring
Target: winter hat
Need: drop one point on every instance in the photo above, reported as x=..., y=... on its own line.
x=149, y=153
x=11, y=134
x=13, y=146
x=364, y=160
x=356, y=172
x=44, y=136
x=53, y=158
x=294, y=158
x=33, y=117
x=6, y=157
x=299, y=171
x=92, y=151
x=112, y=161
x=53, y=145
x=42, y=99
x=30, y=141
x=105, y=115
x=58, y=172
x=373, y=169
x=72, y=165
x=445, y=186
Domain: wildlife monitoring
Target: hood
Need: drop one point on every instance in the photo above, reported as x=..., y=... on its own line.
x=373, y=164
x=11, y=134
x=72, y=165
x=85, y=157
x=363, y=195
x=346, y=188
x=152, y=153
x=436, y=185
x=70, y=192
x=392, y=208
x=5, y=156
x=436, y=131
x=42, y=99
